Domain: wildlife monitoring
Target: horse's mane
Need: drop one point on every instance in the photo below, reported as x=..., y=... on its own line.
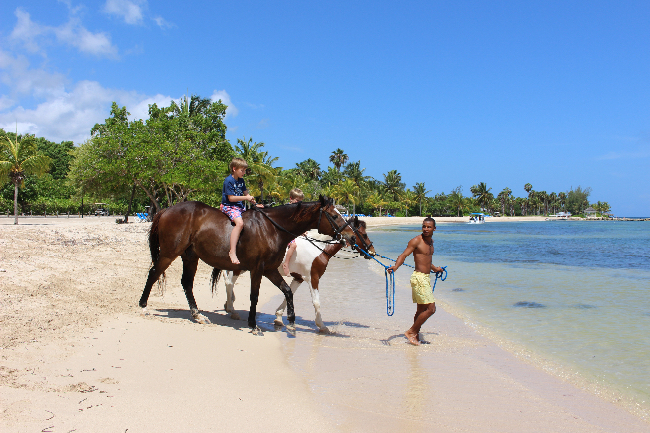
x=299, y=211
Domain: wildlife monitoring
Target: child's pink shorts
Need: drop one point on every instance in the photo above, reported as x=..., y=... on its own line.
x=232, y=211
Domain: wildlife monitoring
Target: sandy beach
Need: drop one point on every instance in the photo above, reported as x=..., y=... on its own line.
x=76, y=354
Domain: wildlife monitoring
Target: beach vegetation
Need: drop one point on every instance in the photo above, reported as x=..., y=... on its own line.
x=19, y=157
x=180, y=153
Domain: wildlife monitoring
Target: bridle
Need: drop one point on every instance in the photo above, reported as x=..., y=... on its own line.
x=338, y=229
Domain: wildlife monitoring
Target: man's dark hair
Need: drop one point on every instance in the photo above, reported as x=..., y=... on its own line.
x=430, y=219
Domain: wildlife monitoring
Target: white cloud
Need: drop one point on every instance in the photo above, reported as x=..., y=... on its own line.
x=163, y=23
x=130, y=11
x=27, y=31
x=71, y=114
x=32, y=35
x=222, y=95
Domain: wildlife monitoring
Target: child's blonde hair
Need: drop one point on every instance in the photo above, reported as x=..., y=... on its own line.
x=296, y=194
x=238, y=163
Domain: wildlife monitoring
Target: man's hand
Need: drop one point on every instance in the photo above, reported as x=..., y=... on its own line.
x=391, y=269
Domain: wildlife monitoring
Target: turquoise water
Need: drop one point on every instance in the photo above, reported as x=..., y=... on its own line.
x=574, y=293
x=571, y=297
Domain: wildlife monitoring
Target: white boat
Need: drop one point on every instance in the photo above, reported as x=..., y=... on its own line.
x=476, y=218
x=560, y=216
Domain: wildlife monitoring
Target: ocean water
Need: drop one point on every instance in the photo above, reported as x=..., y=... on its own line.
x=572, y=297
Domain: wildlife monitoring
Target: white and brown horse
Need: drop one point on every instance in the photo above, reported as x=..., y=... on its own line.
x=308, y=263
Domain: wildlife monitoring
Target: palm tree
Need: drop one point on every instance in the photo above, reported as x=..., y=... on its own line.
x=407, y=199
x=543, y=198
x=393, y=184
x=347, y=191
x=482, y=195
x=338, y=158
x=260, y=167
x=376, y=201
x=420, y=193
x=562, y=199
x=553, y=202
x=19, y=159
x=504, y=197
x=457, y=201
x=528, y=187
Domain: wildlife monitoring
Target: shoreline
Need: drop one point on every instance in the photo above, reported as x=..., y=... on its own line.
x=77, y=354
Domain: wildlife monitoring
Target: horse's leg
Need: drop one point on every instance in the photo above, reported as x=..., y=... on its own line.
x=190, y=263
x=155, y=272
x=279, y=312
x=276, y=278
x=230, y=278
x=315, y=299
x=256, y=280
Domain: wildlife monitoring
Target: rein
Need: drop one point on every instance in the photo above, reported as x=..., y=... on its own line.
x=390, y=280
x=337, y=230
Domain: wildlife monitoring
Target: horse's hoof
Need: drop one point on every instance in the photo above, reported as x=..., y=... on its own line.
x=145, y=312
x=200, y=318
x=257, y=331
x=235, y=316
x=324, y=330
x=278, y=321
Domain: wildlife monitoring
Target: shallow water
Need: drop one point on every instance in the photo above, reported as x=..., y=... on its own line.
x=572, y=295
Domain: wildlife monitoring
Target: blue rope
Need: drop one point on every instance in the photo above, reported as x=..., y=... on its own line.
x=390, y=279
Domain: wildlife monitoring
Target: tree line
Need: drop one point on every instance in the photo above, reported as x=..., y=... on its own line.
x=180, y=152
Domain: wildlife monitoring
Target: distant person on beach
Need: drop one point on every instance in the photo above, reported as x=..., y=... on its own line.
x=295, y=195
x=232, y=201
x=422, y=248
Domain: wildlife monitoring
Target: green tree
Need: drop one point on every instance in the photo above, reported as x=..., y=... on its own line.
x=504, y=198
x=482, y=195
x=338, y=158
x=309, y=169
x=260, y=165
x=457, y=201
x=420, y=193
x=577, y=200
x=348, y=192
x=393, y=184
x=18, y=158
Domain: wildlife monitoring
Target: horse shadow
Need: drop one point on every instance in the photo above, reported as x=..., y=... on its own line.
x=265, y=321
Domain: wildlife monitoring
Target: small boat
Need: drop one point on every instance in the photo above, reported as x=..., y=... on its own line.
x=560, y=216
x=476, y=218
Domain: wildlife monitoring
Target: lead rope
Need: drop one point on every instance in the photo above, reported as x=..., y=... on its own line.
x=390, y=280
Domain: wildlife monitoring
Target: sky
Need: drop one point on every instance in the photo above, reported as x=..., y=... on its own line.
x=449, y=93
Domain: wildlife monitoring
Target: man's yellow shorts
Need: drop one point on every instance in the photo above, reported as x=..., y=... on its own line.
x=421, y=287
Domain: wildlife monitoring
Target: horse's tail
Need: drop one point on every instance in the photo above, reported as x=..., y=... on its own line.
x=154, y=238
x=214, y=279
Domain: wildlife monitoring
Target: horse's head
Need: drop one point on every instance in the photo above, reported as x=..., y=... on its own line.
x=364, y=244
x=332, y=223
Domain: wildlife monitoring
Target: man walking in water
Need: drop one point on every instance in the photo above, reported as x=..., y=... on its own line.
x=422, y=248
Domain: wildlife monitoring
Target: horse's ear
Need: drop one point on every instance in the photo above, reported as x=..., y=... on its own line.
x=356, y=221
x=323, y=200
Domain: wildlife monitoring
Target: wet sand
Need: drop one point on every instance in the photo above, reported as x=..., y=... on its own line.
x=77, y=355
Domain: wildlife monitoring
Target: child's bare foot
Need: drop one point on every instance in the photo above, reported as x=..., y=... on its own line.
x=233, y=258
x=285, y=268
x=412, y=338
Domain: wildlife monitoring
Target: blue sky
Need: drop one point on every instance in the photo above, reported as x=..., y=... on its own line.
x=449, y=93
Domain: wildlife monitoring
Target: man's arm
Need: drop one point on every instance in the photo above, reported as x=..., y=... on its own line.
x=413, y=243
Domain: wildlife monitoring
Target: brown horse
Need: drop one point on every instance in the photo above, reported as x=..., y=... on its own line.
x=194, y=230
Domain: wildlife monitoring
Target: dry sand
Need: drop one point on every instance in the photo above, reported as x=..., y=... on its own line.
x=76, y=354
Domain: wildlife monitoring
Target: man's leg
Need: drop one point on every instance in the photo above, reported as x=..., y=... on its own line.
x=423, y=312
